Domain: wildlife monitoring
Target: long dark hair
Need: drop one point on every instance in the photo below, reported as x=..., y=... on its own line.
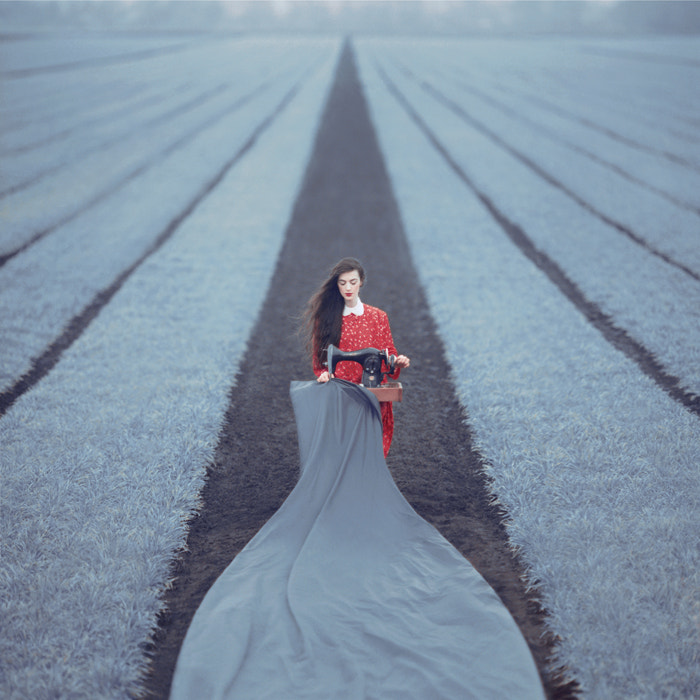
x=323, y=317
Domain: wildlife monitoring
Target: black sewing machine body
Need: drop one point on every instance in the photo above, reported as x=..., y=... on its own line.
x=371, y=360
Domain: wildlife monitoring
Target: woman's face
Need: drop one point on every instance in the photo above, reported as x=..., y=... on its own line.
x=349, y=287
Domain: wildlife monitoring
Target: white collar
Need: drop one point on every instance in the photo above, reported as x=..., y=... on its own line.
x=358, y=309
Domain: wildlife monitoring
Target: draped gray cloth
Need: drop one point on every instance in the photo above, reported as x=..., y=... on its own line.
x=346, y=592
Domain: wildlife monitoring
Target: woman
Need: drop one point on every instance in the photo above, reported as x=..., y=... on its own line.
x=336, y=315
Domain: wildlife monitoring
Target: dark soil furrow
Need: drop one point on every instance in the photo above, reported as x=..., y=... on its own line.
x=114, y=93
x=94, y=62
x=558, y=79
x=611, y=133
x=641, y=56
x=43, y=364
x=548, y=177
x=184, y=107
x=552, y=136
x=616, y=336
x=345, y=207
x=182, y=141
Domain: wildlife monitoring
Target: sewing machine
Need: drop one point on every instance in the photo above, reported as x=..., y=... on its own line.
x=372, y=361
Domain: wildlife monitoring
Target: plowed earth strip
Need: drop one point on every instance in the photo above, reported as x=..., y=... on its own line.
x=43, y=364
x=345, y=207
x=616, y=336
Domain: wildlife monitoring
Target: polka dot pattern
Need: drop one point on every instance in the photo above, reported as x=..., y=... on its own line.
x=370, y=330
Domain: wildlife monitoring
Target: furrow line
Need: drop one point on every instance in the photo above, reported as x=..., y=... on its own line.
x=56, y=114
x=659, y=107
x=93, y=62
x=43, y=364
x=548, y=177
x=611, y=133
x=646, y=121
x=616, y=336
x=642, y=56
x=509, y=111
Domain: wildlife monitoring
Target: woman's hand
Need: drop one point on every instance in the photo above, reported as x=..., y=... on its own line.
x=402, y=362
x=323, y=377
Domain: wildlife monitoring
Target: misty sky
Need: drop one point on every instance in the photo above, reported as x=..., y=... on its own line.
x=612, y=17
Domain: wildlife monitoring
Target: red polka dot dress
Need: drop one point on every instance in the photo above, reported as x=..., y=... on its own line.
x=368, y=329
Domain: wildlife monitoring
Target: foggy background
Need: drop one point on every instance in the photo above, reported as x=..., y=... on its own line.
x=440, y=17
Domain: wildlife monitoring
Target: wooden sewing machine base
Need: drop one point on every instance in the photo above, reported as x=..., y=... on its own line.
x=391, y=391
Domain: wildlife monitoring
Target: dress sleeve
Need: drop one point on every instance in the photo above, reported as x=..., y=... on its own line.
x=384, y=334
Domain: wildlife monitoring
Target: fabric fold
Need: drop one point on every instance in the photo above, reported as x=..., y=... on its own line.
x=346, y=592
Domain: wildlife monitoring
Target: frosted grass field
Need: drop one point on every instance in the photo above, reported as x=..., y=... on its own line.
x=162, y=173
x=103, y=461
x=596, y=466
x=105, y=232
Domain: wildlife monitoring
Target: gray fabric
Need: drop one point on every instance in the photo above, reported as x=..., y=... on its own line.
x=346, y=592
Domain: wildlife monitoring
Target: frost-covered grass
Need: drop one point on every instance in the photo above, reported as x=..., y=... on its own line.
x=544, y=112
x=596, y=467
x=620, y=193
x=103, y=461
x=108, y=162
x=636, y=92
x=658, y=304
x=53, y=280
